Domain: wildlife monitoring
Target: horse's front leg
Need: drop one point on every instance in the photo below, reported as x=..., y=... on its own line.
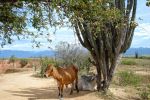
x=59, y=85
x=72, y=88
x=61, y=91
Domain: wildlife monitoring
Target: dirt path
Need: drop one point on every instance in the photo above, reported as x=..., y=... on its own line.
x=22, y=86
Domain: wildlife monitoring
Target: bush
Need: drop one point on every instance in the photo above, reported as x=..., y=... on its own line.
x=12, y=59
x=44, y=63
x=128, y=78
x=128, y=62
x=145, y=93
x=67, y=54
x=23, y=62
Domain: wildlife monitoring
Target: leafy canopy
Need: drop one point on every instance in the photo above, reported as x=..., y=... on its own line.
x=18, y=16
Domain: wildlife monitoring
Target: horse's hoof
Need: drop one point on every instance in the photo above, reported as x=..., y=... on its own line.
x=61, y=98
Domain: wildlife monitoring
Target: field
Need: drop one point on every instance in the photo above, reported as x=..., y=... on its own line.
x=131, y=82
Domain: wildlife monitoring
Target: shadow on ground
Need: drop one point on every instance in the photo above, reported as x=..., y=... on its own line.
x=45, y=93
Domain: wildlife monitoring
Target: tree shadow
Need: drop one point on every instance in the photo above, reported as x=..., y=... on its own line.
x=45, y=93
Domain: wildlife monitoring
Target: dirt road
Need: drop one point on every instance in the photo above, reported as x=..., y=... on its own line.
x=23, y=86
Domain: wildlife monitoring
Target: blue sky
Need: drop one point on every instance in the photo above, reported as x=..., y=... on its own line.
x=141, y=36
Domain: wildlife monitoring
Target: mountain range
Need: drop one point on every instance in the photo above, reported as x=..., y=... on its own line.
x=26, y=54
x=140, y=51
x=50, y=53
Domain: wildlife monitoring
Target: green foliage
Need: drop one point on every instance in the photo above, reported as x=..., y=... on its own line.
x=12, y=59
x=145, y=93
x=128, y=78
x=83, y=63
x=23, y=62
x=148, y=3
x=128, y=62
x=43, y=65
x=144, y=57
x=17, y=17
x=142, y=61
x=136, y=55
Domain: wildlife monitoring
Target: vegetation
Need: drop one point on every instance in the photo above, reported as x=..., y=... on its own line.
x=141, y=62
x=23, y=62
x=128, y=62
x=128, y=78
x=12, y=59
x=145, y=93
x=43, y=65
x=148, y=3
x=96, y=22
x=136, y=55
x=67, y=54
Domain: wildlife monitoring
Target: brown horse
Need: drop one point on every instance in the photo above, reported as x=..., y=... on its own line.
x=64, y=76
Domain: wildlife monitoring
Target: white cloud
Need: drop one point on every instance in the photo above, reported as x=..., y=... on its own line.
x=142, y=36
x=62, y=34
x=143, y=30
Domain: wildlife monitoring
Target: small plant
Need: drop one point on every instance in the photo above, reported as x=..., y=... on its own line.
x=23, y=62
x=145, y=93
x=12, y=59
x=128, y=62
x=128, y=78
x=44, y=63
x=136, y=55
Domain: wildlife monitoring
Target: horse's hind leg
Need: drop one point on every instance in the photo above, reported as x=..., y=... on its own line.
x=72, y=87
x=77, y=88
x=76, y=84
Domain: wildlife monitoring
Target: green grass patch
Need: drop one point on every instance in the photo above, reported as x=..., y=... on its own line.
x=128, y=62
x=144, y=92
x=43, y=65
x=128, y=78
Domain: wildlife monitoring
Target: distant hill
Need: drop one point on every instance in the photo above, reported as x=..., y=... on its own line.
x=25, y=54
x=50, y=53
x=140, y=51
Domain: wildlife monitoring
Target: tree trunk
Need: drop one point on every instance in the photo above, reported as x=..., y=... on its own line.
x=106, y=45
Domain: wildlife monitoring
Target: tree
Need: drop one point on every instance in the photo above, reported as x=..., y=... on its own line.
x=18, y=16
x=148, y=3
x=136, y=55
x=104, y=27
x=67, y=54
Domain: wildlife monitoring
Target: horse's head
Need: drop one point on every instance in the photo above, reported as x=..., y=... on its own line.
x=49, y=70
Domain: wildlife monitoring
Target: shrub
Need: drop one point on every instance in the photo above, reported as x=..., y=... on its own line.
x=128, y=78
x=67, y=54
x=23, y=62
x=145, y=93
x=12, y=59
x=44, y=63
x=128, y=62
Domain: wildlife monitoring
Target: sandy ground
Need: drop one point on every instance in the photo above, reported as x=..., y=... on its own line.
x=23, y=86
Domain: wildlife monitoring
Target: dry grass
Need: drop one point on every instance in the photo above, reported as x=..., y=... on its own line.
x=140, y=68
